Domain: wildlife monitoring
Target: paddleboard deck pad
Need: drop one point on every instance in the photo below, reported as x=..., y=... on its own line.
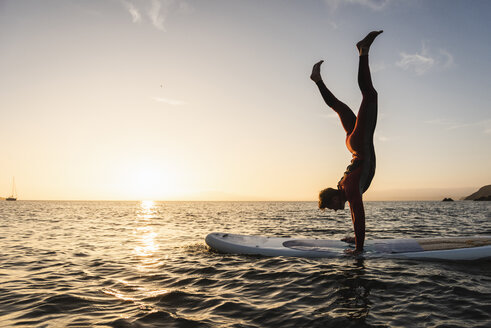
x=454, y=248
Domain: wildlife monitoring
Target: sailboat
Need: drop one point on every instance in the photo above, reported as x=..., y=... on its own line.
x=13, y=195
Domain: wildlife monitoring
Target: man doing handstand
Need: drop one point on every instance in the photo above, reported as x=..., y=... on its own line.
x=359, y=140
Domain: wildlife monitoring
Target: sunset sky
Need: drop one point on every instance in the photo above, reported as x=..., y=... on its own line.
x=211, y=99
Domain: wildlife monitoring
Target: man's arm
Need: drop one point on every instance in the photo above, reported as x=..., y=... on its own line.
x=358, y=219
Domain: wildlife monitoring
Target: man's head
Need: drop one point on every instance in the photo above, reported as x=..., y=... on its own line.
x=332, y=199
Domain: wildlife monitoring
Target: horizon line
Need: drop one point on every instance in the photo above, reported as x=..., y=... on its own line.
x=220, y=200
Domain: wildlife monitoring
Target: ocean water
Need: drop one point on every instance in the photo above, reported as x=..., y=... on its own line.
x=145, y=264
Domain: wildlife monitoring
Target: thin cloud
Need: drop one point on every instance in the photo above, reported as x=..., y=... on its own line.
x=333, y=25
x=423, y=61
x=335, y=5
x=157, y=14
x=449, y=62
x=329, y=116
x=484, y=126
x=168, y=101
x=383, y=138
x=377, y=67
x=372, y=4
x=440, y=121
x=156, y=11
x=134, y=12
x=420, y=63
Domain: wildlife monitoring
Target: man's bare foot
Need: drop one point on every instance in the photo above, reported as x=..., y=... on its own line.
x=365, y=44
x=352, y=252
x=349, y=239
x=316, y=72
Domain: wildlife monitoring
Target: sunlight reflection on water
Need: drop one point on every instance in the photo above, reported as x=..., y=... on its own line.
x=147, y=244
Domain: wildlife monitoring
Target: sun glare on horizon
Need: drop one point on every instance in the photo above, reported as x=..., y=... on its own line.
x=147, y=205
x=152, y=182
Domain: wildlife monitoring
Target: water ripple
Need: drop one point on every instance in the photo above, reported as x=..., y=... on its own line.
x=128, y=264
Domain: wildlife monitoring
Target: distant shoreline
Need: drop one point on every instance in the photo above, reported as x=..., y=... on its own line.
x=394, y=195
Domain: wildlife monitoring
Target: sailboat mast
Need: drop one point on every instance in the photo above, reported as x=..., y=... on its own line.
x=12, y=196
x=14, y=190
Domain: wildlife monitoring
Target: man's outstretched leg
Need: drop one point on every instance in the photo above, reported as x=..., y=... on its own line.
x=348, y=118
x=364, y=77
x=367, y=115
x=362, y=137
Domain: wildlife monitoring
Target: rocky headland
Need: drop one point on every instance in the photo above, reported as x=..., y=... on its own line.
x=483, y=194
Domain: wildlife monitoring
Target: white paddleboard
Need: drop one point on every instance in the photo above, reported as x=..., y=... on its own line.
x=454, y=248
